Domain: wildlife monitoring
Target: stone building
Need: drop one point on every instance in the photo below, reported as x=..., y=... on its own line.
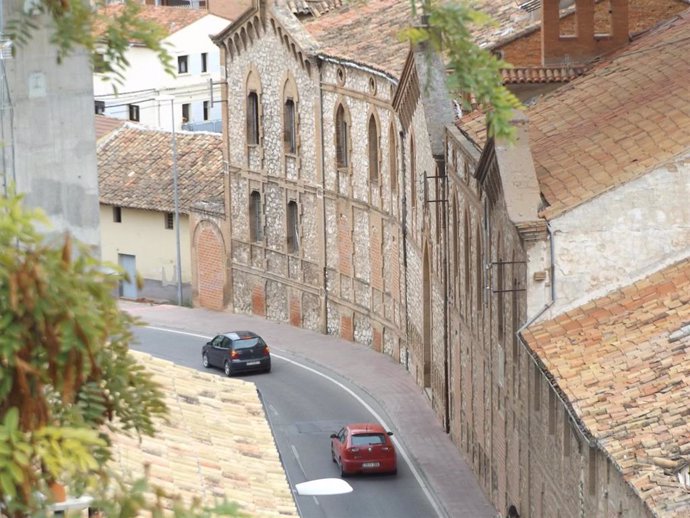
x=354, y=205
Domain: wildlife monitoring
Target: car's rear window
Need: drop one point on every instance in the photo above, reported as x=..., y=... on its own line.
x=246, y=343
x=365, y=439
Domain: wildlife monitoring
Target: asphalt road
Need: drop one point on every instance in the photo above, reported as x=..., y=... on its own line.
x=304, y=406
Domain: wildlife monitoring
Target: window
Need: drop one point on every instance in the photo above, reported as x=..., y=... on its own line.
x=393, y=158
x=373, y=151
x=169, y=220
x=100, y=65
x=207, y=110
x=204, y=62
x=185, y=113
x=292, y=228
x=290, y=127
x=413, y=174
x=342, y=145
x=99, y=107
x=133, y=112
x=182, y=65
x=255, y=228
x=117, y=214
x=253, y=119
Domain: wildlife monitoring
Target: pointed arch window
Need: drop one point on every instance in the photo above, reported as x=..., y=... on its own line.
x=253, y=118
x=393, y=158
x=290, y=126
x=342, y=139
x=413, y=174
x=373, y=151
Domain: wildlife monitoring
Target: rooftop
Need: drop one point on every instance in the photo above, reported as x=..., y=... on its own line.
x=623, y=362
x=135, y=168
x=217, y=443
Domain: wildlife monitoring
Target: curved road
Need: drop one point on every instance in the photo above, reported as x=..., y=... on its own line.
x=304, y=406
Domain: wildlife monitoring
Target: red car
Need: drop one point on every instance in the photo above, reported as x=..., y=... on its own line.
x=363, y=448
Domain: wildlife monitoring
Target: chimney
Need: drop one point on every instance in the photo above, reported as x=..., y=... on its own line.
x=582, y=45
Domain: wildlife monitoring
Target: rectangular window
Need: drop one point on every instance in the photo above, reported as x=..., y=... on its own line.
x=253, y=119
x=207, y=110
x=133, y=112
x=566, y=435
x=117, y=214
x=292, y=228
x=182, y=65
x=185, y=113
x=255, y=228
x=99, y=107
x=204, y=62
x=169, y=221
x=592, y=471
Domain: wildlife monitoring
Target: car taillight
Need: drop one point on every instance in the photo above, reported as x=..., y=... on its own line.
x=353, y=450
x=267, y=351
x=234, y=355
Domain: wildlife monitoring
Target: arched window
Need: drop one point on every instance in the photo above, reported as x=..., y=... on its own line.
x=252, y=118
x=290, y=126
x=255, y=228
x=373, y=151
x=500, y=314
x=393, y=158
x=480, y=270
x=413, y=174
x=466, y=285
x=342, y=139
x=292, y=228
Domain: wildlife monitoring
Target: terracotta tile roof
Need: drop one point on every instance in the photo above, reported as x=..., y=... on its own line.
x=623, y=362
x=135, y=168
x=623, y=118
x=346, y=32
x=310, y=7
x=171, y=19
x=105, y=125
x=217, y=443
x=521, y=75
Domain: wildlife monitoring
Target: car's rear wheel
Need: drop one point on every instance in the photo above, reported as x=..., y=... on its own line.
x=204, y=360
x=227, y=369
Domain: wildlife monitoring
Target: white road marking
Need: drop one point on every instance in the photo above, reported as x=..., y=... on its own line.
x=373, y=412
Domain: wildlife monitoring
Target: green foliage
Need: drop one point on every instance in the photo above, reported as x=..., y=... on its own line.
x=104, y=32
x=67, y=381
x=473, y=70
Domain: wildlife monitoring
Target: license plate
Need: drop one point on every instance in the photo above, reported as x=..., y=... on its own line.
x=370, y=465
x=253, y=363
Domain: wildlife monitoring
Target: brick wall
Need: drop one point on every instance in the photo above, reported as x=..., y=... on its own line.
x=209, y=253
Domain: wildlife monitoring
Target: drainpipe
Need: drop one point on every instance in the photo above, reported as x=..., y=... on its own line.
x=404, y=245
x=446, y=275
x=324, y=315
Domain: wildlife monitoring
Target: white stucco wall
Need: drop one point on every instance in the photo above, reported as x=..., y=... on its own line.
x=145, y=78
x=622, y=235
x=142, y=233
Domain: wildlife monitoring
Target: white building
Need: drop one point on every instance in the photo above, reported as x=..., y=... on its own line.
x=147, y=92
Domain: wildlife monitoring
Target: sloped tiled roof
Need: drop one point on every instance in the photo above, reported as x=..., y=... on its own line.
x=105, y=125
x=623, y=362
x=135, y=168
x=171, y=19
x=347, y=31
x=522, y=75
x=310, y=7
x=625, y=117
x=217, y=443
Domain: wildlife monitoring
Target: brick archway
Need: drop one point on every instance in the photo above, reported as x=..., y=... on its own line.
x=210, y=265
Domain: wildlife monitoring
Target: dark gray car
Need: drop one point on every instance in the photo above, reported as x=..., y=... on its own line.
x=237, y=351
